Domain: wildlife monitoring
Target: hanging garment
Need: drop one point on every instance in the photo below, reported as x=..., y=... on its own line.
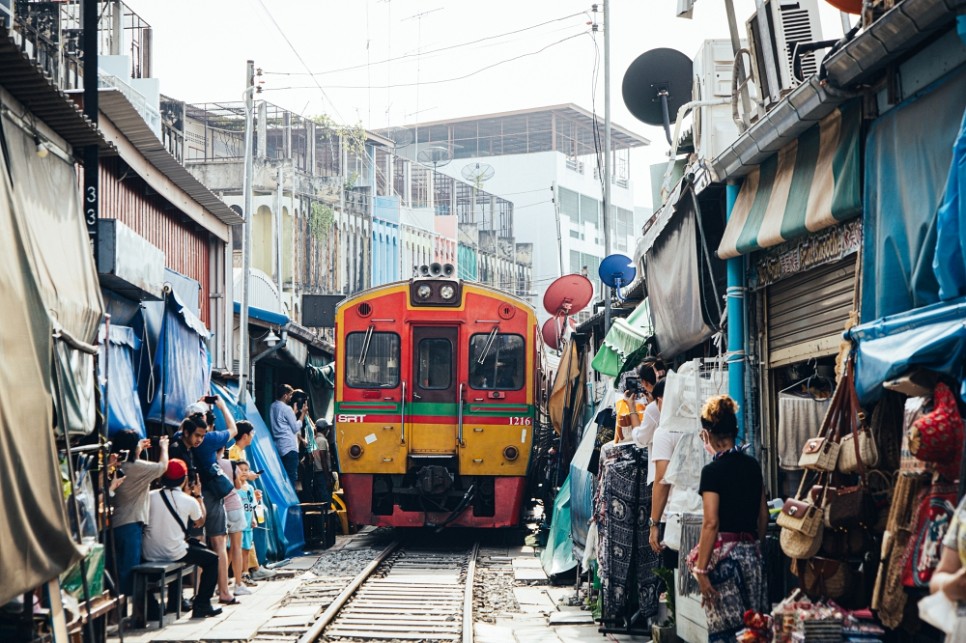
x=799, y=420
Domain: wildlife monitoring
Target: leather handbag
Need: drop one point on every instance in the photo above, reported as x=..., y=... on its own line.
x=858, y=449
x=802, y=523
x=849, y=507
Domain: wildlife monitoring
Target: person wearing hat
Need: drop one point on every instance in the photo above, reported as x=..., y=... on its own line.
x=171, y=513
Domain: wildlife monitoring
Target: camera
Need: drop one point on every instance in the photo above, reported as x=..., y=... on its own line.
x=211, y=399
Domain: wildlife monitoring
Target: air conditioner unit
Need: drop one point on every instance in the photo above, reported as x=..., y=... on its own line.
x=714, y=127
x=773, y=31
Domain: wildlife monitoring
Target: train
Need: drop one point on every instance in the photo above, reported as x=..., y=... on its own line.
x=436, y=402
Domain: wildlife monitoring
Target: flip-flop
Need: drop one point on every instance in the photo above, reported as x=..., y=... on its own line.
x=233, y=601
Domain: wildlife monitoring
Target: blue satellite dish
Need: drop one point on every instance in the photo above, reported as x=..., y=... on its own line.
x=617, y=271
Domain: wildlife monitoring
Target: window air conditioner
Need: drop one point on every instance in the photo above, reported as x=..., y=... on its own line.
x=773, y=31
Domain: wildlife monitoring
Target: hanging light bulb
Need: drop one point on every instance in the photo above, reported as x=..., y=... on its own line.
x=42, y=149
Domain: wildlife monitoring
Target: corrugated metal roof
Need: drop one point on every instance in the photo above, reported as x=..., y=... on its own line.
x=29, y=85
x=122, y=113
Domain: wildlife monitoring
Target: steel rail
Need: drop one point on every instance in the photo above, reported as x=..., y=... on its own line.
x=468, y=595
x=315, y=632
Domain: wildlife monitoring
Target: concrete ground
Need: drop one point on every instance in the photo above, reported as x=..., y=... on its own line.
x=544, y=615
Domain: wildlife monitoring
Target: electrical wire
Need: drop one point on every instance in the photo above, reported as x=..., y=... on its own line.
x=428, y=52
x=441, y=80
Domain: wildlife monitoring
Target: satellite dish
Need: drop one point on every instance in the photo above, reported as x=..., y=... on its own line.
x=568, y=295
x=553, y=330
x=617, y=271
x=435, y=155
x=401, y=136
x=478, y=173
x=656, y=85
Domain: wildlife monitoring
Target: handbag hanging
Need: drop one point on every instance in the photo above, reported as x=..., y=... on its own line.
x=850, y=506
x=822, y=453
x=937, y=436
x=216, y=482
x=802, y=523
x=858, y=449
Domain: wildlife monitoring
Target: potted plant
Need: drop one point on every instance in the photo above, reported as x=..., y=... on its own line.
x=664, y=631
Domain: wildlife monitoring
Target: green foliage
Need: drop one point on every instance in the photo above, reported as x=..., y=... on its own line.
x=353, y=136
x=321, y=218
x=667, y=577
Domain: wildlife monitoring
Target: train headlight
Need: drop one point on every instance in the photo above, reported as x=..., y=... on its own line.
x=511, y=453
x=447, y=292
x=355, y=451
x=424, y=291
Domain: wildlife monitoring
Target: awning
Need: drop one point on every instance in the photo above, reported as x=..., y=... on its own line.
x=261, y=315
x=120, y=381
x=932, y=337
x=622, y=340
x=810, y=184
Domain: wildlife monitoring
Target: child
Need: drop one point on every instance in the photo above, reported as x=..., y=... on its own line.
x=247, y=495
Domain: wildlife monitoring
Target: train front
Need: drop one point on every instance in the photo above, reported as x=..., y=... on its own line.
x=435, y=403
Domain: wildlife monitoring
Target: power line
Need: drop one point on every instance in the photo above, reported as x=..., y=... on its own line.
x=426, y=53
x=442, y=80
x=300, y=59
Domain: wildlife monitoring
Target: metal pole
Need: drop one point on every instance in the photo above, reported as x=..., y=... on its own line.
x=607, y=159
x=278, y=232
x=735, y=46
x=243, y=349
x=736, y=324
x=91, y=161
x=556, y=216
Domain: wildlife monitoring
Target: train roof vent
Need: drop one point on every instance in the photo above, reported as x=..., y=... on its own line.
x=364, y=309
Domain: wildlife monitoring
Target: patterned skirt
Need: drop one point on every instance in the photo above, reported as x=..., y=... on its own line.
x=739, y=580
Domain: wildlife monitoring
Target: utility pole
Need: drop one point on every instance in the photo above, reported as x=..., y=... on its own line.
x=556, y=217
x=607, y=160
x=91, y=111
x=278, y=232
x=244, y=360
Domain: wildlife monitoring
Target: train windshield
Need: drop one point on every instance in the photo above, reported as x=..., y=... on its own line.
x=502, y=366
x=372, y=360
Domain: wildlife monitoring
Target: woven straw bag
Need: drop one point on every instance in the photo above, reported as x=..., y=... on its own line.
x=858, y=450
x=802, y=523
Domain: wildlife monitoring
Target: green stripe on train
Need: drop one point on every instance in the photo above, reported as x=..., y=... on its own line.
x=433, y=408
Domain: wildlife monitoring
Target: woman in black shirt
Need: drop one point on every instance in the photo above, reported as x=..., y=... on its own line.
x=728, y=565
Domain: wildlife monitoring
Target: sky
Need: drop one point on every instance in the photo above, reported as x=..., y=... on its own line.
x=446, y=58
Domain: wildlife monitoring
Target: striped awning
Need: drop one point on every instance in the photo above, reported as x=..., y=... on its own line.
x=810, y=184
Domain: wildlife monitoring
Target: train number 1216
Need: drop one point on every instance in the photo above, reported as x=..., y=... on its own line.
x=521, y=421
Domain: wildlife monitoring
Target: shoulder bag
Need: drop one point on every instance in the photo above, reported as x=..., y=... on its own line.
x=858, y=445
x=802, y=522
x=822, y=453
x=217, y=482
x=191, y=540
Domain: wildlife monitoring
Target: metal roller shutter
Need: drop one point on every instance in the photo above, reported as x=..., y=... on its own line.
x=806, y=313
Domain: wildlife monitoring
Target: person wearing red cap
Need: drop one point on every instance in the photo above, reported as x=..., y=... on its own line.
x=172, y=512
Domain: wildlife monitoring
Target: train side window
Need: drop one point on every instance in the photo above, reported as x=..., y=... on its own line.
x=503, y=363
x=380, y=366
x=435, y=363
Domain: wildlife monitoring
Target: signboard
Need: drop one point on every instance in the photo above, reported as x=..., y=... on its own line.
x=318, y=311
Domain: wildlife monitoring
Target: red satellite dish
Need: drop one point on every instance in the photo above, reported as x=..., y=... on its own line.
x=568, y=295
x=553, y=329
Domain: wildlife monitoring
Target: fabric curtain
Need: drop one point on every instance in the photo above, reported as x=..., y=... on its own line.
x=623, y=339
x=121, y=381
x=35, y=542
x=949, y=262
x=673, y=279
x=908, y=156
x=181, y=366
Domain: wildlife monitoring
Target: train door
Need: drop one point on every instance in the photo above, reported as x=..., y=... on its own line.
x=433, y=410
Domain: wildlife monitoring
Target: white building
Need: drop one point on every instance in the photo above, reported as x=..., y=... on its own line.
x=544, y=161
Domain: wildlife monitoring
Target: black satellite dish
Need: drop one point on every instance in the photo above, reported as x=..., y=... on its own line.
x=656, y=85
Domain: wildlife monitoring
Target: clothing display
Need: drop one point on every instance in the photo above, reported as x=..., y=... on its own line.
x=799, y=420
x=627, y=563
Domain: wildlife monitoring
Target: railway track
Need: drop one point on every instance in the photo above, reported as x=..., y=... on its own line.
x=408, y=593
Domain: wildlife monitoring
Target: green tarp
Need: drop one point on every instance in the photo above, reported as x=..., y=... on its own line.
x=558, y=556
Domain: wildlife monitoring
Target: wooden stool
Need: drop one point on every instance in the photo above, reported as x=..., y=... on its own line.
x=155, y=577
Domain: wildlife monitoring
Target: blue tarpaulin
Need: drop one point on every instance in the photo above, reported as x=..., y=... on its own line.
x=950, y=259
x=283, y=517
x=933, y=337
x=908, y=154
x=180, y=367
x=121, y=379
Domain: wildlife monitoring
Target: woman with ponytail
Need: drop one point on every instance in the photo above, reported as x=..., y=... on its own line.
x=727, y=562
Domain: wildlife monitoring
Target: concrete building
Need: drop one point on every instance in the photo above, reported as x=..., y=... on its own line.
x=544, y=161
